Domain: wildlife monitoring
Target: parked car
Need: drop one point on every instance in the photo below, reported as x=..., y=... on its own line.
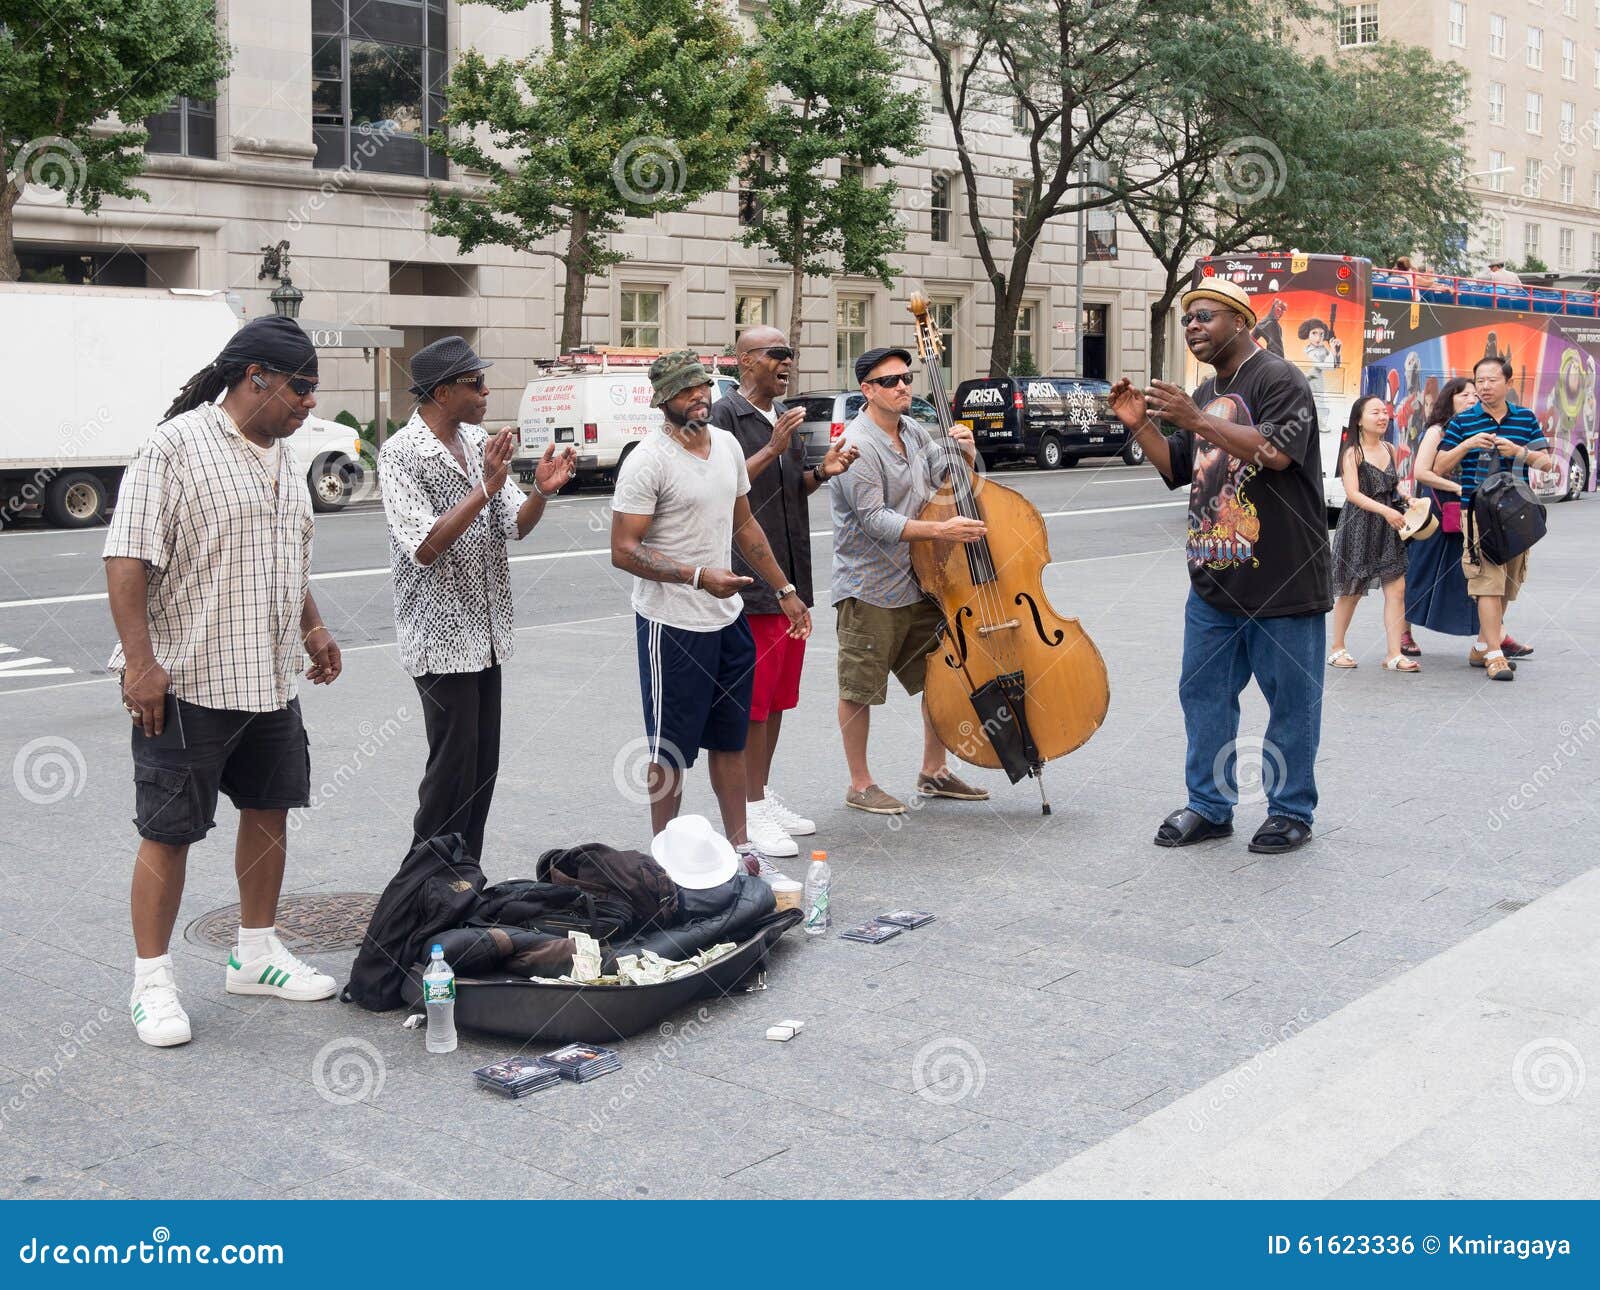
x=828, y=412
x=1052, y=420
x=331, y=453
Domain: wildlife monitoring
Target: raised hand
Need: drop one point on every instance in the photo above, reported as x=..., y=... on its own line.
x=1128, y=404
x=497, y=452
x=553, y=472
x=722, y=583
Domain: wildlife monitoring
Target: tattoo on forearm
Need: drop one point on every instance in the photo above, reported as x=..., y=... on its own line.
x=649, y=563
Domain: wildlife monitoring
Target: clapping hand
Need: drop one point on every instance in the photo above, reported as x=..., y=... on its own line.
x=553, y=472
x=1128, y=404
x=497, y=459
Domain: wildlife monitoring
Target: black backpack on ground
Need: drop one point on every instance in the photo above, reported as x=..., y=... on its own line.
x=1506, y=518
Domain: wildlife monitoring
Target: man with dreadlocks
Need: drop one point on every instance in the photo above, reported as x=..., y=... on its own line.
x=207, y=561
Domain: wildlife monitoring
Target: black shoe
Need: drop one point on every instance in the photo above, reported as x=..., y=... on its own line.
x=1280, y=833
x=1185, y=827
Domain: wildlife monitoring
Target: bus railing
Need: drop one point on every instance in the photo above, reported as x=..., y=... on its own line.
x=1482, y=293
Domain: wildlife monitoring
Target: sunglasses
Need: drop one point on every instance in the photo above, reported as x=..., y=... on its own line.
x=889, y=382
x=299, y=386
x=475, y=380
x=1202, y=316
x=777, y=353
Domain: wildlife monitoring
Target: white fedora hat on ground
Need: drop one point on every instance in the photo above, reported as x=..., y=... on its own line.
x=694, y=854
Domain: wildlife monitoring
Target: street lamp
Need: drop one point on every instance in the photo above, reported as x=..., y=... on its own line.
x=285, y=297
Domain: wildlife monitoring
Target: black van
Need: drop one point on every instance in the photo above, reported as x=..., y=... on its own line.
x=1053, y=420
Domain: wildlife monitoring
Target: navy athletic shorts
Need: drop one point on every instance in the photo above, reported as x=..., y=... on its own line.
x=696, y=689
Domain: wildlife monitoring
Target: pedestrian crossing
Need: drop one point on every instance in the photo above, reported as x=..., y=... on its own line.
x=34, y=665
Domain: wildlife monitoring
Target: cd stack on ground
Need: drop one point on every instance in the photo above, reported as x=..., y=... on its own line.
x=582, y=1062
x=517, y=1076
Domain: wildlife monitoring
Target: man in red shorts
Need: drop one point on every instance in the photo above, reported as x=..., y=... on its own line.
x=780, y=483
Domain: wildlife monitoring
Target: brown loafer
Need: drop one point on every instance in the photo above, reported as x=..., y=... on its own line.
x=947, y=784
x=875, y=801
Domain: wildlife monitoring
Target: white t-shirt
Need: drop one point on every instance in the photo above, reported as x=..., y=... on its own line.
x=691, y=502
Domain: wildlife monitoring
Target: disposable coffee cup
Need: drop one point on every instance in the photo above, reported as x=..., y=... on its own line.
x=786, y=893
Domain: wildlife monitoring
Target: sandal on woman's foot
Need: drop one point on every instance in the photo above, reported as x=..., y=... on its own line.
x=1409, y=647
x=1185, y=827
x=1400, y=663
x=1341, y=658
x=1280, y=833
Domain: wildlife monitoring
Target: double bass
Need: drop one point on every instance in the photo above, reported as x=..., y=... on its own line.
x=1011, y=684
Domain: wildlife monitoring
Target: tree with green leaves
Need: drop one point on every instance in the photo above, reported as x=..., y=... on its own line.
x=77, y=77
x=835, y=103
x=1264, y=148
x=638, y=107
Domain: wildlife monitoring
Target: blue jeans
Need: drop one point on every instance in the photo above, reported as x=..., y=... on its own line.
x=1221, y=652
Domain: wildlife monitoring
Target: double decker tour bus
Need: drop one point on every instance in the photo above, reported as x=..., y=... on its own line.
x=1356, y=329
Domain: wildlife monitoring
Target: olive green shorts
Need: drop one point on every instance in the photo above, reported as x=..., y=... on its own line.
x=874, y=641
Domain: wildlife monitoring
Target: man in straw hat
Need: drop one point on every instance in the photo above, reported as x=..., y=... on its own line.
x=207, y=560
x=452, y=507
x=1246, y=445
x=680, y=506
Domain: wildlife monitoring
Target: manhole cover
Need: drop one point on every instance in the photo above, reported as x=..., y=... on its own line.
x=306, y=924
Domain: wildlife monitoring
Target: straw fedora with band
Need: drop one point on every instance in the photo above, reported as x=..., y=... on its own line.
x=1224, y=293
x=1420, y=521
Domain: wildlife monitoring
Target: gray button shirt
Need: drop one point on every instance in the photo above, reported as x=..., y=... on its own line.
x=871, y=503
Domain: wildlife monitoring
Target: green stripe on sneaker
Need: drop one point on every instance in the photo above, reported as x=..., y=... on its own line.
x=138, y=1013
x=266, y=976
x=233, y=963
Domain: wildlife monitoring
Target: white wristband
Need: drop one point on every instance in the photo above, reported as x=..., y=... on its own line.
x=486, y=498
x=698, y=570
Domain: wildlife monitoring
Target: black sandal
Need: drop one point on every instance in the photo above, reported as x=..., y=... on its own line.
x=1280, y=833
x=1185, y=827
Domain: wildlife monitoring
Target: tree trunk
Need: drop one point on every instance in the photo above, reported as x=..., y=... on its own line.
x=10, y=270
x=1158, y=339
x=1008, y=289
x=576, y=286
x=796, y=299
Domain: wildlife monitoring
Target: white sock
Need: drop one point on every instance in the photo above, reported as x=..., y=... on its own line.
x=145, y=968
x=253, y=943
x=1480, y=644
x=1497, y=653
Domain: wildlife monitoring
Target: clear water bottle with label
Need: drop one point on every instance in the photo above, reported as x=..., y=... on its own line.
x=439, y=998
x=818, y=875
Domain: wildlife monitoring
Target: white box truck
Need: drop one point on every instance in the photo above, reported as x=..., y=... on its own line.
x=102, y=364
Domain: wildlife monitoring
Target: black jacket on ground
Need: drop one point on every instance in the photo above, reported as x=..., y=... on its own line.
x=730, y=912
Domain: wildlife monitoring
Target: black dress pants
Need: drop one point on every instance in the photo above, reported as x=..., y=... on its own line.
x=461, y=711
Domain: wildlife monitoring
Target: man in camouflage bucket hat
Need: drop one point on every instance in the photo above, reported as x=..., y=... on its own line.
x=678, y=507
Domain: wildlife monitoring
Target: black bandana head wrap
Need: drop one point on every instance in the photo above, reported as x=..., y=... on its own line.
x=276, y=343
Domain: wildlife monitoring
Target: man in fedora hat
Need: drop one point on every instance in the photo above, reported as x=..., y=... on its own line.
x=452, y=507
x=679, y=507
x=1246, y=446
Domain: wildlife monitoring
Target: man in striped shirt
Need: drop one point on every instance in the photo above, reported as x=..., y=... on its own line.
x=1481, y=441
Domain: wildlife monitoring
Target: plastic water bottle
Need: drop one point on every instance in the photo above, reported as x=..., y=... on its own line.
x=439, y=997
x=818, y=917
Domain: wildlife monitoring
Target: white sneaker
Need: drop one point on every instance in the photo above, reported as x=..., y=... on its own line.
x=787, y=820
x=279, y=973
x=765, y=833
x=759, y=866
x=157, y=1015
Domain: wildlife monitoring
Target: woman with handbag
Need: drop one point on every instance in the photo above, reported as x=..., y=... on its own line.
x=1436, y=589
x=1367, y=548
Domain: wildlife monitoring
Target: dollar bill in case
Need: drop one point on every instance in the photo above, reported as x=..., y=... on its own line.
x=582, y=1062
x=871, y=933
x=517, y=1076
x=906, y=918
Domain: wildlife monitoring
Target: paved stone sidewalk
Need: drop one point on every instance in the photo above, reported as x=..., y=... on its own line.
x=1078, y=980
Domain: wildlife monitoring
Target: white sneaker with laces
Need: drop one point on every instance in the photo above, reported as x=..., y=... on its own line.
x=786, y=819
x=157, y=1015
x=280, y=974
x=765, y=833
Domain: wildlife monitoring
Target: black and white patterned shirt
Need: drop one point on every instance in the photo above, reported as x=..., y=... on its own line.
x=454, y=615
x=228, y=544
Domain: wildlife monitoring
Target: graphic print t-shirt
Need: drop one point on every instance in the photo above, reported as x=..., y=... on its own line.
x=1258, y=539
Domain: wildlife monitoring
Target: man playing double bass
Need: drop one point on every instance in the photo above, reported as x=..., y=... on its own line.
x=1246, y=446
x=885, y=623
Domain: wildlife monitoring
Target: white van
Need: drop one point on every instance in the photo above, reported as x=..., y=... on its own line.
x=597, y=401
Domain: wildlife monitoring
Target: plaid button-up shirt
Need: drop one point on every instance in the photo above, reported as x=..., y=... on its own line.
x=229, y=557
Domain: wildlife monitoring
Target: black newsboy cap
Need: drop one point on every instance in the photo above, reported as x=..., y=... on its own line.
x=873, y=357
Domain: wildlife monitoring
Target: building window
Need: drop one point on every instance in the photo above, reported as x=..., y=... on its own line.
x=1597, y=189
x=1497, y=103
x=1569, y=122
x=1569, y=182
x=640, y=318
x=1569, y=8
x=1534, y=53
x=850, y=319
x=1594, y=252
x=1594, y=129
x=1019, y=208
x=939, y=204
x=1535, y=113
x=1564, y=252
x=377, y=84
x=1458, y=24
x=753, y=309
x=1530, y=241
x=1024, y=352
x=1569, y=60
x=186, y=129
x=1532, y=177
x=1358, y=25
x=1019, y=115
x=1597, y=69
x=750, y=211
x=1497, y=172
x=946, y=315
x=1494, y=237
x=1497, y=35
